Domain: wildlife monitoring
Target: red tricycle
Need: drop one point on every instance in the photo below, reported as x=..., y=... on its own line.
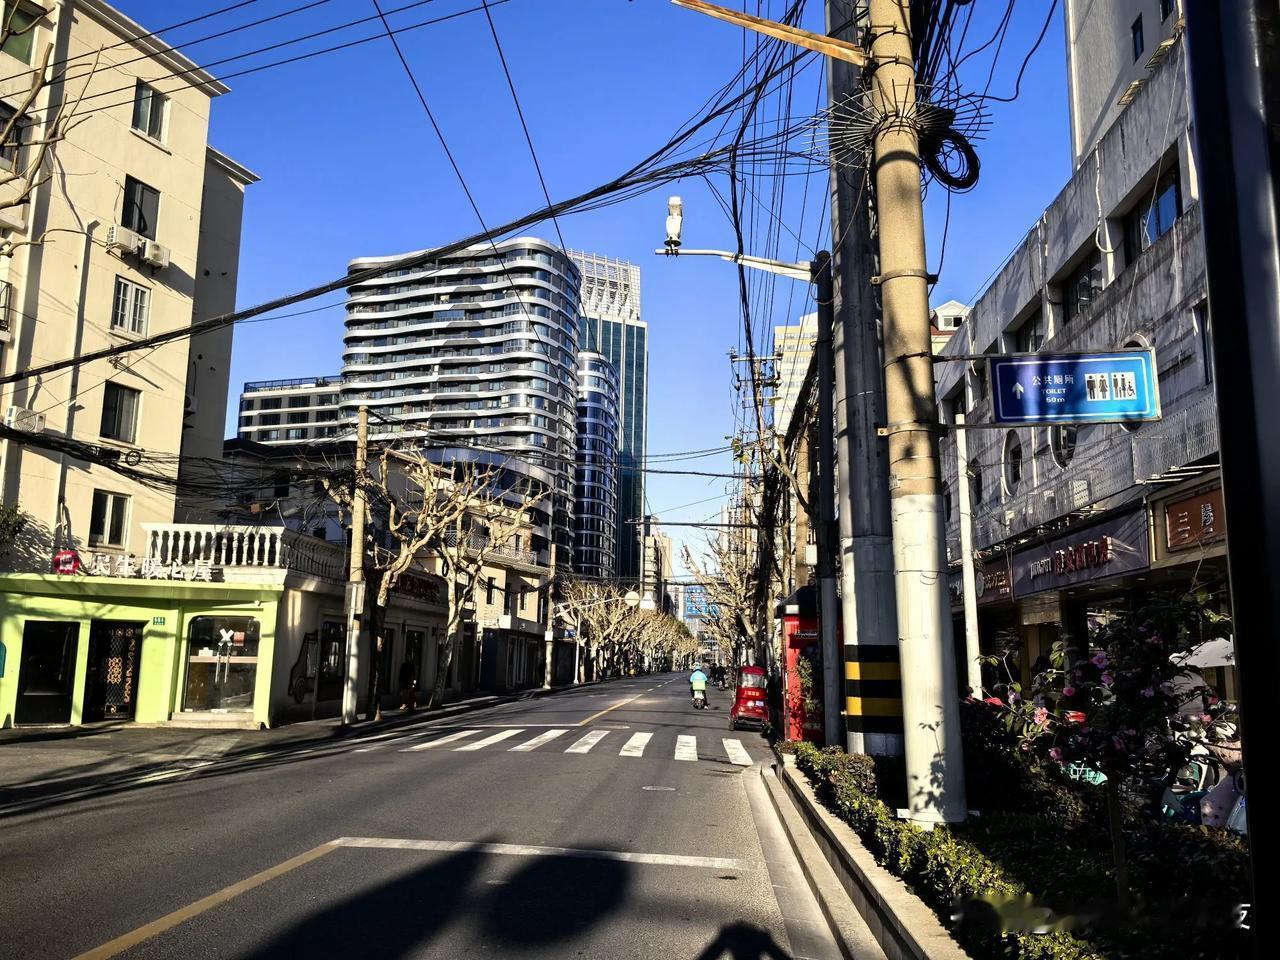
x=749, y=704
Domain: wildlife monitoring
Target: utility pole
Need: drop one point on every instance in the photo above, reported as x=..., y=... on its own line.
x=868, y=613
x=968, y=576
x=1235, y=99
x=355, y=573
x=930, y=705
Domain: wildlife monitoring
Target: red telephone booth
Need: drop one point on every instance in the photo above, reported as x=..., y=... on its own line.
x=802, y=653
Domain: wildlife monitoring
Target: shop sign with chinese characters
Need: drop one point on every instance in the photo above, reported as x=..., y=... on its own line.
x=1195, y=520
x=119, y=565
x=1114, y=546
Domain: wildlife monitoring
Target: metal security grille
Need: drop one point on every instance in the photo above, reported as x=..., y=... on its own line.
x=118, y=648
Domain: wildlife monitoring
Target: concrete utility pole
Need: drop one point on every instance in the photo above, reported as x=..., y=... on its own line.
x=930, y=705
x=868, y=614
x=355, y=573
x=968, y=576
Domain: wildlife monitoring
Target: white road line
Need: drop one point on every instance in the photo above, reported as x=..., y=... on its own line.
x=737, y=753
x=492, y=738
x=519, y=850
x=586, y=743
x=686, y=747
x=635, y=746
x=538, y=741
x=451, y=738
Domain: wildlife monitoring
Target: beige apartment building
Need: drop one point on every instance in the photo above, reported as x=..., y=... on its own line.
x=132, y=230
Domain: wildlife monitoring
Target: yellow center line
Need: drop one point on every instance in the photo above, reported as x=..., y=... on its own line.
x=620, y=703
x=156, y=927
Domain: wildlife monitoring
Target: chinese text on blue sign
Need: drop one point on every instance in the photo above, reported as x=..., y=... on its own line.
x=1074, y=388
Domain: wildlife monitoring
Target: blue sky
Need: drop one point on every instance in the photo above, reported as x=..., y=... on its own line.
x=350, y=167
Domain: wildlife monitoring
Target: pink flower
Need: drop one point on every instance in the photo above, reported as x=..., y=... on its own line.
x=1055, y=754
x=1068, y=691
x=1014, y=696
x=1025, y=746
x=1099, y=659
x=1206, y=719
x=1148, y=691
x=1041, y=716
x=1108, y=679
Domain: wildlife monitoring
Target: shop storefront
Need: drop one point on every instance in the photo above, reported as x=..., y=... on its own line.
x=1071, y=583
x=997, y=614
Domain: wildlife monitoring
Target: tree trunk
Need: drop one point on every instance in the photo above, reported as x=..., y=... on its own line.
x=1115, y=815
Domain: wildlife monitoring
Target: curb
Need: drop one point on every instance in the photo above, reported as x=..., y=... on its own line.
x=903, y=926
x=851, y=933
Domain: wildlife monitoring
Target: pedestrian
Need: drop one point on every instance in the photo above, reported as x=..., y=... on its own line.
x=409, y=685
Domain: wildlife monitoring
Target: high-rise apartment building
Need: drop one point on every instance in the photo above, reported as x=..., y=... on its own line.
x=132, y=228
x=793, y=343
x=611, y=325
x=290, y=411
x=476, y=348
x=596, y=478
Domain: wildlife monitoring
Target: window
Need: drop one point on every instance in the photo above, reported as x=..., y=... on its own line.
x=1062, y=441
x=1012, y=462
x=19, y=31
x=1138, y=43
x=149, y=110
x=1147, y=223
x=1082, y=287
x=297, y=403
x=1030, y=336
x=1201, y=313
x=268, y=419
x=106, y=526
x=270, y=435
x=488, y=590
x=270, y=403
x=141, y=208
x=10, y=141
x=298, y=418
x=1166, y=8
x=296, y=433
x=119, y=413
x=131, y=307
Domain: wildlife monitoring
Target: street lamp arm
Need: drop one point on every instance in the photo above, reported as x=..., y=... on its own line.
x=796, y=271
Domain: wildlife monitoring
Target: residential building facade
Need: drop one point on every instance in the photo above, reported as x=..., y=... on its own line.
x=596, y=472
x=612, y=325
x=1074, y=522
x=478, y=348
x=793, y=344
x=138, y=234
x=291, y=411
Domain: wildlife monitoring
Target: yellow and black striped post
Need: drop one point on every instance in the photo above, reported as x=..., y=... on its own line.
x=872, y=689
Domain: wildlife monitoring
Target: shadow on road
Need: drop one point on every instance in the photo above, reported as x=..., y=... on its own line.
x=743, y=941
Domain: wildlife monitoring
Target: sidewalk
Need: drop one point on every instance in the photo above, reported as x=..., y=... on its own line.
x=38, y=762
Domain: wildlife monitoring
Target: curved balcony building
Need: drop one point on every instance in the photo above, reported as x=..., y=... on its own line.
x=596, y=476
x=478, y=348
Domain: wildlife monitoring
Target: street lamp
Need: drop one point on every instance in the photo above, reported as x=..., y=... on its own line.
x=818, y=272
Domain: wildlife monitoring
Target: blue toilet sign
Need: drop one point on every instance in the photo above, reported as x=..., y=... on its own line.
x=1074, y=388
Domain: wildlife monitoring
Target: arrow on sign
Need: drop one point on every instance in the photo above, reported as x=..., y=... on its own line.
x=1019, y=390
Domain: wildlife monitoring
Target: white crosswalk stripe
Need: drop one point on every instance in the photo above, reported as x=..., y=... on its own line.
x=451, y=738
x=538, y=741
x=634, y=747
x=686, y=747
x=586, y=743
x=492, y=738
x=737, y=753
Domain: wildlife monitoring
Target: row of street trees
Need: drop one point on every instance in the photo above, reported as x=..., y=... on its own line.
x=622, y=637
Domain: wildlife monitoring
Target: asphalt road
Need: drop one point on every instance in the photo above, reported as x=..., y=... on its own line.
x=612, y=821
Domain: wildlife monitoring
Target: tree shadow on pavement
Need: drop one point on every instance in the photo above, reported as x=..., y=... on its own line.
x=743, y=941
x=554, y=898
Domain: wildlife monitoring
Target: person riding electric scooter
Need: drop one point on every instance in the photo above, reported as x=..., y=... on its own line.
x=698, y=688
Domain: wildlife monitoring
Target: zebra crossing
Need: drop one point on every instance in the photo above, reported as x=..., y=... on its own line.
x=687, y=747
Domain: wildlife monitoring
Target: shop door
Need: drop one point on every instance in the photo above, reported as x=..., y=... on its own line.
x=45, y=675
x=111, y=675
x=222, y=663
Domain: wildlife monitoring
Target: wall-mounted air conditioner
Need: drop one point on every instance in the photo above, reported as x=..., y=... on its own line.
x=20, y=418
x=122, y=239
x=155, y=254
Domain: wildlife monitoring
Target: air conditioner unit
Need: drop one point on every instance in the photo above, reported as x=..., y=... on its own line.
x=155, y=254
x=122, y=239
x=20, y=418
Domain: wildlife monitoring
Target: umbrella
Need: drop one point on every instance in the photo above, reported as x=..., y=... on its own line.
x=1219, y=652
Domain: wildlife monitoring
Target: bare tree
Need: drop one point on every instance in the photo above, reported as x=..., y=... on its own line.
x=449, y=519
x=729, y=574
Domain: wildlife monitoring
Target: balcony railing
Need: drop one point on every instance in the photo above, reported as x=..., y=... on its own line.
x=244, y=546
x=475, y=541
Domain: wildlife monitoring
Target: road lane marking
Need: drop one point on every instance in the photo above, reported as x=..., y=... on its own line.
x=737, y=752
x=450, y=738
x=127, y=941
x=620, y=703
x=538, y=741
x=521, y=850
x=492, y=738
x=686, y=747
x=635, y=746
x=586, y=743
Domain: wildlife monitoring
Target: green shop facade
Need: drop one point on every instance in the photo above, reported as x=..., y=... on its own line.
x=243, y=653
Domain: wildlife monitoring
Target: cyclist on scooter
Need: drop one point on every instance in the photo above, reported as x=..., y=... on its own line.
x=697, y=681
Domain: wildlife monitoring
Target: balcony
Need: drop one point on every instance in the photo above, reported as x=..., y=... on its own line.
x=240, y=550
x=475, y=541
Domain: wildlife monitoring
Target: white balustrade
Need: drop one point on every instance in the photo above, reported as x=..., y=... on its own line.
x=231, y=546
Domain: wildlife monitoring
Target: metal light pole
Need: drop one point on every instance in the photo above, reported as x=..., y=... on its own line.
x=817, y=272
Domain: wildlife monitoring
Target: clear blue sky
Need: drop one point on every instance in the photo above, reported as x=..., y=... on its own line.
x=350, y=167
